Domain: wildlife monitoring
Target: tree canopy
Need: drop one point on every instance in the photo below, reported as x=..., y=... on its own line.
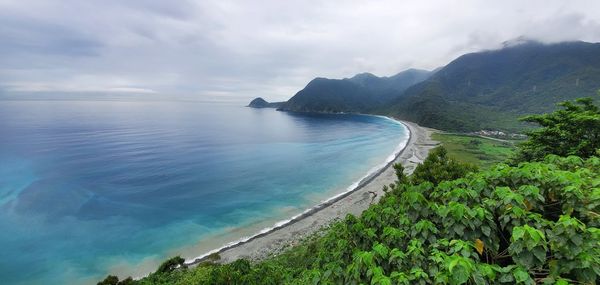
x=572, y=130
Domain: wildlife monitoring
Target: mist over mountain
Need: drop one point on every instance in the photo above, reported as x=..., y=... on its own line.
x=482, y=90
x=491, y=89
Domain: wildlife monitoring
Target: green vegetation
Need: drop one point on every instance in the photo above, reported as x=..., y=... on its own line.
x=438, y=167
x=532, y=223
x=482, y=152
x=360, y=94
x=492, y=89
x=171, y=264
x=114, y=280
x=574, y=130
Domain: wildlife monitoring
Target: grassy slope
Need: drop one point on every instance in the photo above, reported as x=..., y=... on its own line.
x=476, y=150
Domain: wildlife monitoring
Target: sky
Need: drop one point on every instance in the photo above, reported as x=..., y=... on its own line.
x=226, y=50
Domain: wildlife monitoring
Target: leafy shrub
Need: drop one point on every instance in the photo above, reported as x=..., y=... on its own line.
x=114, y=280
x=171, y=264
x=573, y=130
x=532, y=223
x=438, y=167
x=474, y=143
x=109, y=280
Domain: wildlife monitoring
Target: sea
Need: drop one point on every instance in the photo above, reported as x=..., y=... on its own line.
x=96, y=187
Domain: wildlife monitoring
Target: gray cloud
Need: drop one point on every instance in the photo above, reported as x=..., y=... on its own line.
x=24, y=36
x=236, y=50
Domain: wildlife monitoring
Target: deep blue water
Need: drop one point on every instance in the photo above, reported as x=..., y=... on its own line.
x=92, y=187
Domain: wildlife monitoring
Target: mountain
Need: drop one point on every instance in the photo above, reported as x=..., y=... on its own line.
x=482, y=90
x=262, y=103
x=362, y=93
x=491, y=89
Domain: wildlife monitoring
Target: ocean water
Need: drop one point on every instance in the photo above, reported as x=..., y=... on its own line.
x=89, y=188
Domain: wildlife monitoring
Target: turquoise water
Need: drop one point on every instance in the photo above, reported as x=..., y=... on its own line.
x=92, y=187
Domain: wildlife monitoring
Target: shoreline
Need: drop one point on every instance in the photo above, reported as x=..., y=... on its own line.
x=354, y=200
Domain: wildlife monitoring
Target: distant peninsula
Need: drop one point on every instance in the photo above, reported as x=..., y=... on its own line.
x=262, y=103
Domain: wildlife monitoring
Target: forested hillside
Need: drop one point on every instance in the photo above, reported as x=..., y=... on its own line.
x=482, y=90
x=491, y=89
x=362, y=93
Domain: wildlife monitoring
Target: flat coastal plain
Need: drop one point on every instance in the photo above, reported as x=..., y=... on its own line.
x=354, y=202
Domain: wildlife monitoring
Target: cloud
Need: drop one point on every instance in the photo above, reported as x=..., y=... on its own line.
x=24, y=36
x=244, y=49
x=77, y=89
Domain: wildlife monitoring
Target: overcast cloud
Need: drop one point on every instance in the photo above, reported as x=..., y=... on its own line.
x=243, y=49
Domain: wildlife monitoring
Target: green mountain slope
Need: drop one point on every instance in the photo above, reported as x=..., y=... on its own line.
x=364, y=92
x=491, y=89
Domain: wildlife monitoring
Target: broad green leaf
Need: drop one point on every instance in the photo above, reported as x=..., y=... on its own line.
x=522, y=277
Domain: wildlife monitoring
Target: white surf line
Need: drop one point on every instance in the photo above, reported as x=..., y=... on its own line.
x=372, y=174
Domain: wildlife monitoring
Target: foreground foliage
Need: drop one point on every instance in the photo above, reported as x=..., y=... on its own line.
x=535, y=222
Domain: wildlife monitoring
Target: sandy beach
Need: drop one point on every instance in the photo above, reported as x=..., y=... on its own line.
x=354, y=202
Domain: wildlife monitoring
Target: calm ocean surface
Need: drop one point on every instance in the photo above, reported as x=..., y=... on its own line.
x=92, y=187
